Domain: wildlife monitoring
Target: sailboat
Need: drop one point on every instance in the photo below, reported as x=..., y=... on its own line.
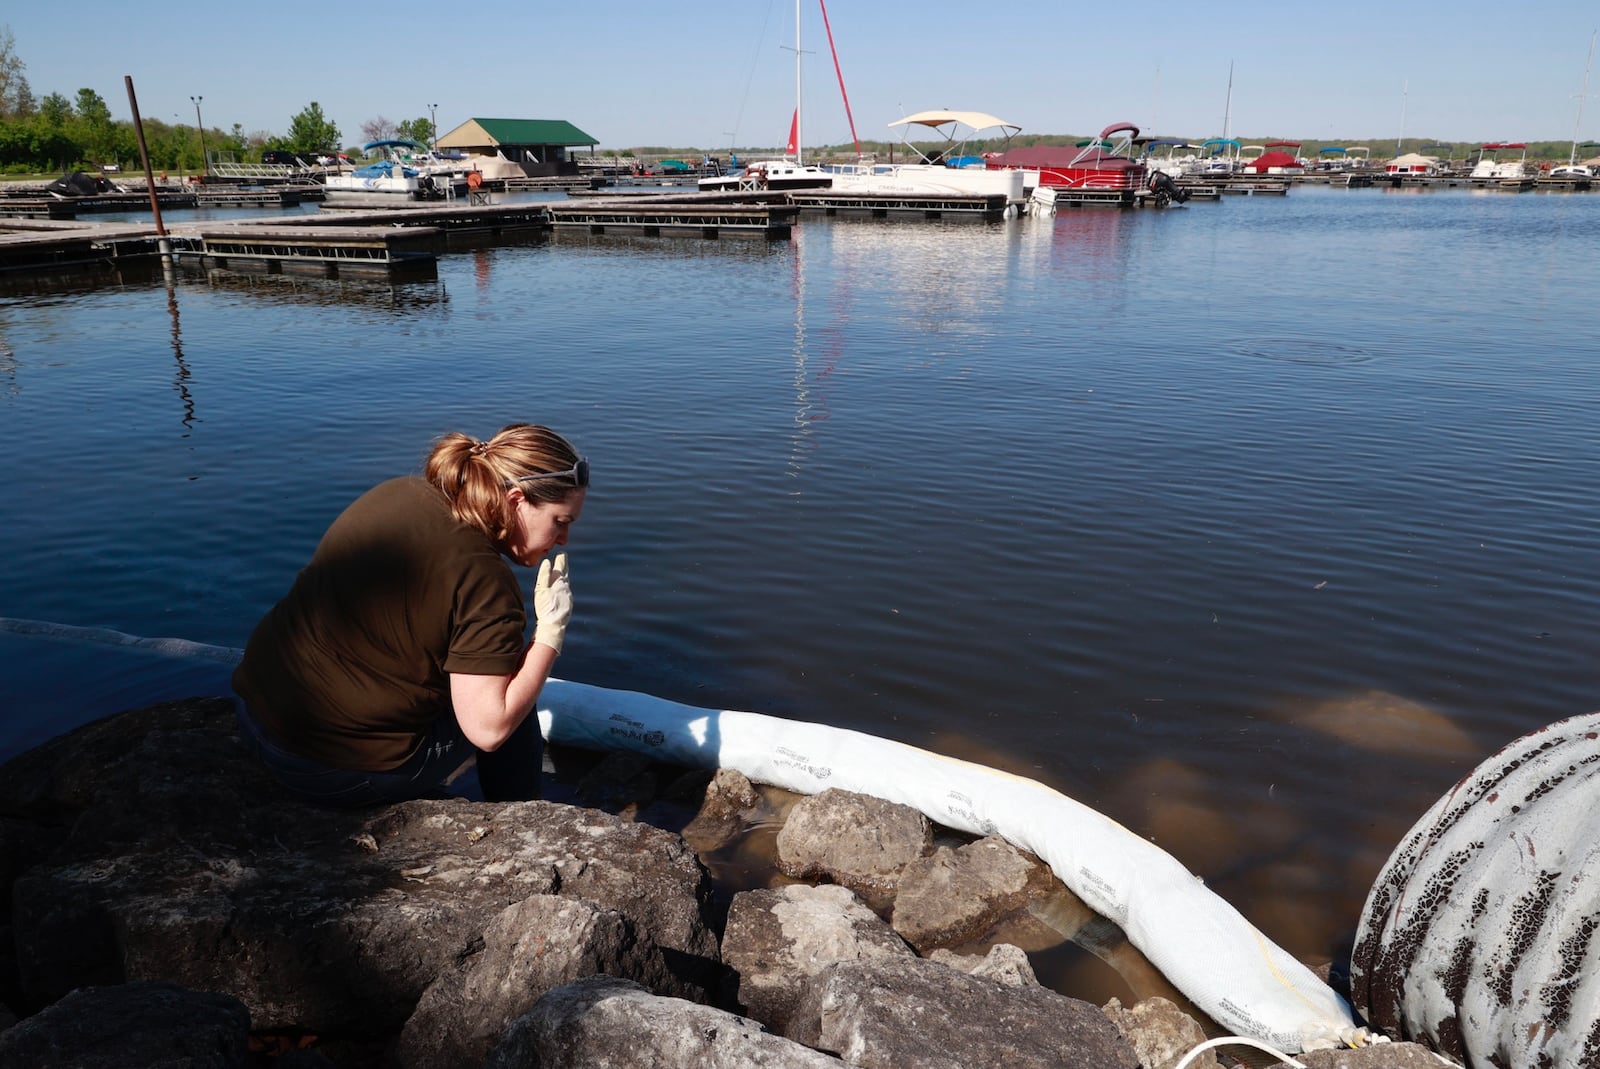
x=1572, y=168
x=790, y=172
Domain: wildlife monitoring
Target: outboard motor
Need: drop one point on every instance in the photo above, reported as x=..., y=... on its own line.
x=1166, y=189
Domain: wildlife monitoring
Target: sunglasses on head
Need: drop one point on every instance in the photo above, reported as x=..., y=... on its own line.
x=578, y=473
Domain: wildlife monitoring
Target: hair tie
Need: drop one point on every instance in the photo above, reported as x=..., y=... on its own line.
x=480, y=449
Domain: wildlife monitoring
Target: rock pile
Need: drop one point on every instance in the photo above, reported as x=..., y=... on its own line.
x=168, y=906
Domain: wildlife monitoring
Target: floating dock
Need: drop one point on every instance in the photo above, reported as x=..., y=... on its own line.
x=660, y=216
x=984, y=206
x=322, y=250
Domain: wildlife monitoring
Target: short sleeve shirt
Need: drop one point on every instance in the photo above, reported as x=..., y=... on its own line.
x=353, y=665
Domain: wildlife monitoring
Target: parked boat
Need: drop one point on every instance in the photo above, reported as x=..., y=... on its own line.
x=1491, y=166
x=1163, y=155
x=1092, y=167
x=1572, y=169
x=1217, y=156
x=947, y=169
x=789, y=172
x=1412, y=163
x=1277, y=157
x=393, y=175
x=757, y=175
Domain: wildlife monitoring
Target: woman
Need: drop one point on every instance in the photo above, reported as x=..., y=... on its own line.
x=397, y=657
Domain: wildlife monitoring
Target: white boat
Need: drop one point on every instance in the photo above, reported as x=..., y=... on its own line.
x=1170, y=156
x=1491, y=166
x=1217, y=156
x=396, y=175
x=947, y=170
x=1572, y=169
x=789, y=172
x=757, y=175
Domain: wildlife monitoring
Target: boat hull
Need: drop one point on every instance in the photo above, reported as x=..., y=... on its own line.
x=914, y=179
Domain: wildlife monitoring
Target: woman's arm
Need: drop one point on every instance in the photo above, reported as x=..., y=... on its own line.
x=490, y=708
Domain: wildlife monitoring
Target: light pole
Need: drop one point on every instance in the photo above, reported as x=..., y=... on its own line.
x=201, y=129
x=433, y=125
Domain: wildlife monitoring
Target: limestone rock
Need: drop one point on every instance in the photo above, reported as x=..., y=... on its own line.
x=728, y=798
x=175, y=861
x=1372, y=1056
x=1004, y=964
x=614, y=1023
x=157, y=1025
x=777, y=938
x=1160, y=1033
x=952, y=896
x=890, y=1014
x=532, y=947
x=851, y=839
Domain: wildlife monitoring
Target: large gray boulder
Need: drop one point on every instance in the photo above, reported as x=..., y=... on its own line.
x=153, y=1026
x=778, y=938
x=534, y=946
x=177, y=860
x=604, y=1021
x=852, y=839
x=891, y=1014
x=954, y=895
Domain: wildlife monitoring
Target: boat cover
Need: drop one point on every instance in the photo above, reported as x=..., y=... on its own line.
x=78, y=184
x=977, y=120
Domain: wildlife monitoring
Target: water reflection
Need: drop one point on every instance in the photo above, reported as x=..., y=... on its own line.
x=8, y=367
x=180, y=380
x=811, y=404
x=303, y=290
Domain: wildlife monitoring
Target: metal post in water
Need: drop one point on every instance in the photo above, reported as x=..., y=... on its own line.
x=149, y=176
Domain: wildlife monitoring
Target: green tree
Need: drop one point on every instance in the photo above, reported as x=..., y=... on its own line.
x=55, y=110
x=92, y=108
x=418, y=130
x=94, y=129
x=311, y=131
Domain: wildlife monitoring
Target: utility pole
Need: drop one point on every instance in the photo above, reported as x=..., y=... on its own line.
x=200, y=128
x=433, y=125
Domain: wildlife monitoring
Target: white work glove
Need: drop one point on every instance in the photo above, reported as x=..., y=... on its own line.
x=552, y=602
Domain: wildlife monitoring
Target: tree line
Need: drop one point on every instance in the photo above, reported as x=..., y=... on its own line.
x=58, y=133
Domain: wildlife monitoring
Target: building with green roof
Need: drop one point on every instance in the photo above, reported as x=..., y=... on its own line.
x=538, y=146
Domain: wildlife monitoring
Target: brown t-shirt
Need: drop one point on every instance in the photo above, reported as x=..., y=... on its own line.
x=351, y=667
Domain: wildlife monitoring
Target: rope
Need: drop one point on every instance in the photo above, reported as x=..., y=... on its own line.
x=1223, y=1041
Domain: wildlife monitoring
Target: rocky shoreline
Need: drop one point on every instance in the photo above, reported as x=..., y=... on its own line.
x=168, y=906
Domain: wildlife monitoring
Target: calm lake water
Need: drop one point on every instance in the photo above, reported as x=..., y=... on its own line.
x=1253, y=524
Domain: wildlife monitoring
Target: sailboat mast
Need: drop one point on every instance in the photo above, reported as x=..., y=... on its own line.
x=799, y=156
x=1227, y=109
x=1572, y=157
x=1405, y=92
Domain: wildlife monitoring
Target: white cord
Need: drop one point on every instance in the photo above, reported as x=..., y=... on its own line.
x=1246, y=1041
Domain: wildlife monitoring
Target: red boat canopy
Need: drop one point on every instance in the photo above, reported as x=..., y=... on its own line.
x=1272, y=159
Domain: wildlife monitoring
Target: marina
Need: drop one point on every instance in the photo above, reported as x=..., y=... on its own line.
x=1297, y=538
x=44, y=233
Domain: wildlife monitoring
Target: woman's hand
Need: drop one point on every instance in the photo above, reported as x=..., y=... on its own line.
x=552, y=602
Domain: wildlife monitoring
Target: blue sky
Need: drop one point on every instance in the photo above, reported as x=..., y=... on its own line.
x=714, y=72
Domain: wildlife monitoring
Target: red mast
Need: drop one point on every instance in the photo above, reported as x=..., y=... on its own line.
x=840, y=72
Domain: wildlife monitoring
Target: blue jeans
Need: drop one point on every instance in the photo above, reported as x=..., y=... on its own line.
x=510, y=773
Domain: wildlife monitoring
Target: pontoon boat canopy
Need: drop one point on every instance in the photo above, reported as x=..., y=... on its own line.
x=977, y=120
